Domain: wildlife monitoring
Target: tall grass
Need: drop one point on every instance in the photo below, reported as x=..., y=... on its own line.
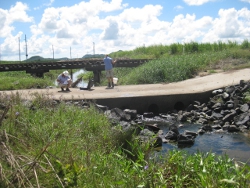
x=171, y=69
x=157, y=51
x=46, y=144
x=178, y=62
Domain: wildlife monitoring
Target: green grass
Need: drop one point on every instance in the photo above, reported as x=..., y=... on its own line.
x=178, y=62
x=12, y=81
x=172, y=68
x=63, y=145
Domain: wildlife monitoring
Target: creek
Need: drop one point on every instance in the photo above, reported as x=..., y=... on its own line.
x=235, y=145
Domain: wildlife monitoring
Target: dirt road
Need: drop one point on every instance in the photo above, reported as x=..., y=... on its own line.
x=195, y=85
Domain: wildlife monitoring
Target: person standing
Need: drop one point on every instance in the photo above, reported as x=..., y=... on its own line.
x=108, y=62
x=64, y=80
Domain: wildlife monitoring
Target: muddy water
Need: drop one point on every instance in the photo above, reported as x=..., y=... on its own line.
x=234, y=145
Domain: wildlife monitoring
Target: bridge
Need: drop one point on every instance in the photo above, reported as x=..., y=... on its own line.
x=38, y=68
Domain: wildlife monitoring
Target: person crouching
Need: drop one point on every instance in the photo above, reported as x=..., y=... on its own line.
x=64, y=81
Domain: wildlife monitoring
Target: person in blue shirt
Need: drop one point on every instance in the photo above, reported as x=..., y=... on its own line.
x=108, y=62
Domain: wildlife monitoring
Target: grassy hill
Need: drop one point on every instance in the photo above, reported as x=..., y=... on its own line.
x=39, y=58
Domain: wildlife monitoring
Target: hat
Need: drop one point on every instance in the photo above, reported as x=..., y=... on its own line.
x=66, y=73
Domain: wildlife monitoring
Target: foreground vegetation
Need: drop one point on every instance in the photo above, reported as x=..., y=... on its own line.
x=44, y=144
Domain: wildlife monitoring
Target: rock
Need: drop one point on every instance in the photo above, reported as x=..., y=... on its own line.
x=174, y=128
x=101, y=107
x=217, y=105
x=217, y=91
x=202, y=121
x=245, y=88
x=201, y=131
x=217, y=115
x=170, y=135
x=182, y=118
x=242, y=119
x=148, y=114
x=216, y=127
x=152, y=127
x=185, y=140
x=194, y=134
x=244, y=108
x=229, y=117
x=229, y=89
x=233, y=128
x=207, y=128
x=132, y=113
x=225, y=96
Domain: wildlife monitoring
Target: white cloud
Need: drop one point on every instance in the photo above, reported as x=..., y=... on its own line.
x=196, y=2
x=227, y=25
x=64, y=33
x=49, y=20
x=178, y=7
x=50, y=3
x=5, y=28
x=16, y=13
x=248, y=1
x=230, y=25
x=11, y=45
x=144, y=14
x=45, y=5
x=111, y=32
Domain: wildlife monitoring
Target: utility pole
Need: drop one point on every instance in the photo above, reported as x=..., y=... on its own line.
x=70, y=53
x=53, y=51
x=19, y=49
x=26, y=48
x=93, y=49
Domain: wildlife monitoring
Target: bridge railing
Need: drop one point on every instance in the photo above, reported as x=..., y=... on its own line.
x=96, y=65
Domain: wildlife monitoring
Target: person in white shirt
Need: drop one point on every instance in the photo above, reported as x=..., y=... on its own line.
x=64, y=81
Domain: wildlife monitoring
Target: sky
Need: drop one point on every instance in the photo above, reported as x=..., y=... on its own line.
x=63, y=28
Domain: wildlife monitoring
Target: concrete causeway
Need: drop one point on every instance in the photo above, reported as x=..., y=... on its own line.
x=157, y=98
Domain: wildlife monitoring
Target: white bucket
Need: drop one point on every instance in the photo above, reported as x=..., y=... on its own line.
x=115, y=80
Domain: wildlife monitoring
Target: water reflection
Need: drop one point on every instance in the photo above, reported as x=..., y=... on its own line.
x=76, y=74
x=235, y=145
